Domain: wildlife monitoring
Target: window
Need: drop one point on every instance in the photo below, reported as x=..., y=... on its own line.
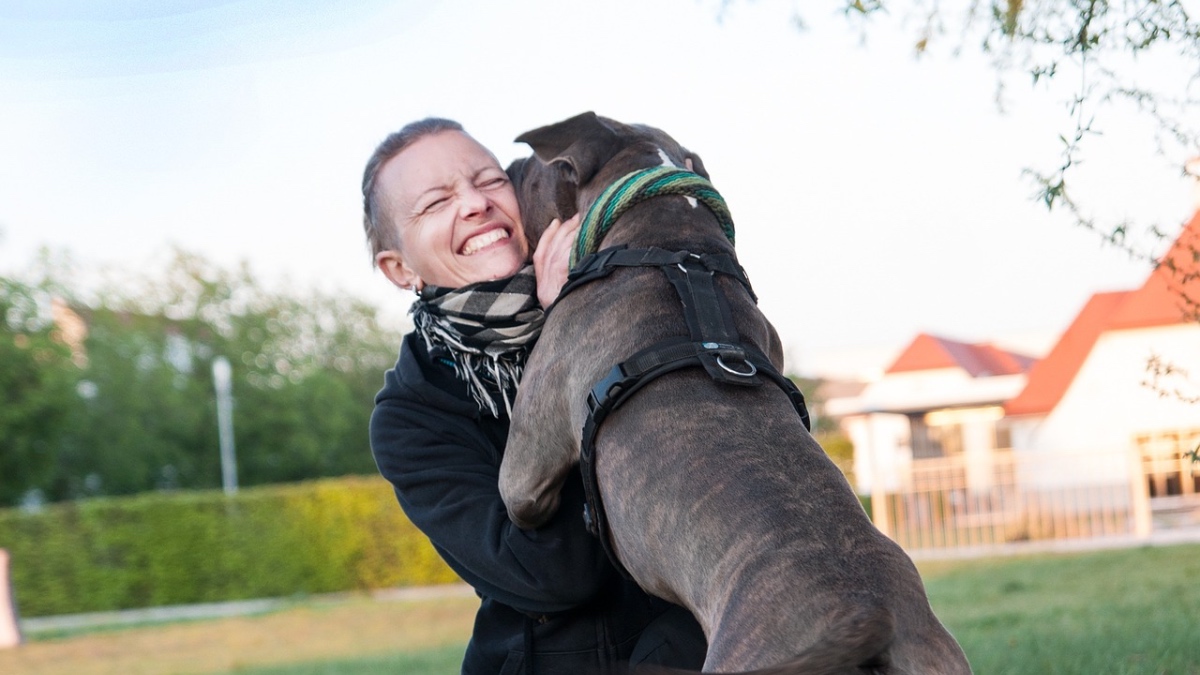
x=1167, y=462
x=935, y=440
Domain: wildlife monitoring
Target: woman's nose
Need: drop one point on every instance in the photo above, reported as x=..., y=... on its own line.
x=472, y=202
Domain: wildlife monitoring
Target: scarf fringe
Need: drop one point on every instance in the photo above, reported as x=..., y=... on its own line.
x=488, y=329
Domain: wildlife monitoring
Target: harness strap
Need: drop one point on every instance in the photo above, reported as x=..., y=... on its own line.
x=713, y=344
x=622, y=382
x=710, y=322
x=603, y=263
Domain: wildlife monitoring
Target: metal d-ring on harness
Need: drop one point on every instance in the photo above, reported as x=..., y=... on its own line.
x=713, y=343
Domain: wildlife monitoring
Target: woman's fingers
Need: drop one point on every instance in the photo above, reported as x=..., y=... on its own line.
x=552, y=258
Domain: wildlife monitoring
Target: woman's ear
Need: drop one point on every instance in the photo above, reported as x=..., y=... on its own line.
x=397, y=271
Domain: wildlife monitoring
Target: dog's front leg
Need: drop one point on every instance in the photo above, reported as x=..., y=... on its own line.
x=541, y=449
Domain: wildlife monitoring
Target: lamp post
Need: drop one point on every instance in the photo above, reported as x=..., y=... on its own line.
x=223, y=382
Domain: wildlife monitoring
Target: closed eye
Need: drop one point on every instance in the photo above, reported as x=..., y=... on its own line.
x=489, y=179
x=434, y=204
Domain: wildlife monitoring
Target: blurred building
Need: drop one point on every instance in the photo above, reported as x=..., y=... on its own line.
x=939, y=398
x=970, y=444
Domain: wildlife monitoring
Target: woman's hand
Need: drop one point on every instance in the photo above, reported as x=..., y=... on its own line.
x=552, y=258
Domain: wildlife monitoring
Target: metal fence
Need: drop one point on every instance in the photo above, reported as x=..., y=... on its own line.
x=1011, y=496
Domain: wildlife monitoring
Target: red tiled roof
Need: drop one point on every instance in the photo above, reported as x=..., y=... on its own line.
x=1050, y=377
x=1171, y=294
x=928, y=352
x=1159, y=302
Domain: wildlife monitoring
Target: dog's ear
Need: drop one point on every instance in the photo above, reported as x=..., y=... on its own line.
x=694, y=163
x=579, y=146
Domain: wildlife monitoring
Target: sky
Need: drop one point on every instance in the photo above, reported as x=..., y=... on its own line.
x=876, y=195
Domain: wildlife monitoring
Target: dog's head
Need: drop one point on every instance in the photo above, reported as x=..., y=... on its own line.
x=574, y=160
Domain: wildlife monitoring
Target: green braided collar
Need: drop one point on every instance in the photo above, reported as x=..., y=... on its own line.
x=637, y=187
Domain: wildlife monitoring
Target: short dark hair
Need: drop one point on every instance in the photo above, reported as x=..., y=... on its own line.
x=381, y=232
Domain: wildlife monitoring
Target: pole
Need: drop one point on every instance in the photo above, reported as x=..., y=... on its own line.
x=1139, y=495
x=223, y=382
x=10, y=630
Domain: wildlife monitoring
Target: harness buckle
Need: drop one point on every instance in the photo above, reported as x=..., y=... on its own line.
x=589, y=522
x=606, y=389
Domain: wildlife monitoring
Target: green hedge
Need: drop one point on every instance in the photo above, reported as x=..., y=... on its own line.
x=186, y=547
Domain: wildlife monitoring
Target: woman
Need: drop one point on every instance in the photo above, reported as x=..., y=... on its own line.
x=442, y=219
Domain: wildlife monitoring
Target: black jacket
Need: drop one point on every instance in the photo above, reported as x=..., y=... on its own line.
x=552, y=588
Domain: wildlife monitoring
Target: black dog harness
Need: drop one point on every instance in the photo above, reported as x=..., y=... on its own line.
x=713, y=344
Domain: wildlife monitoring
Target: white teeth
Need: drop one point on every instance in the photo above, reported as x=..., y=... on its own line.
x=479, y=241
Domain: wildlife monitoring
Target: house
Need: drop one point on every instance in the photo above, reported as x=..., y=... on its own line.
x=1122, y=379
x=938, y=398
x=969, y=443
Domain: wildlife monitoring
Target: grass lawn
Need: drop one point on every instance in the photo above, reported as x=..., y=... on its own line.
x=1122, y=612
x=441, y=661
x=373, y=636
x=1129, y=612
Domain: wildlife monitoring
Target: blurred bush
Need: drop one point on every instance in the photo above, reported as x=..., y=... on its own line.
x=187, y=547
x=107, y=390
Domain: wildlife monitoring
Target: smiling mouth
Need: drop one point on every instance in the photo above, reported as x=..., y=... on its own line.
x=479, y=241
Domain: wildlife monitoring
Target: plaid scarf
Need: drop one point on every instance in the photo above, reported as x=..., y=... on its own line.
x=488, y=328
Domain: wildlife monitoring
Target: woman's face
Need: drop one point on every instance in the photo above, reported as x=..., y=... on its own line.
x=456, y=213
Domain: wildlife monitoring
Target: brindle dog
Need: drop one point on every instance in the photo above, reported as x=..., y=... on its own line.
x=717, y=497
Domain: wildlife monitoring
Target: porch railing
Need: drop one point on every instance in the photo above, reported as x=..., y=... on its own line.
x=1012, y=496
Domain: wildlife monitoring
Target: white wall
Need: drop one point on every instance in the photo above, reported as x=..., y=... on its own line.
x=979, y=446
x=882, y=447
x=1108, y=403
